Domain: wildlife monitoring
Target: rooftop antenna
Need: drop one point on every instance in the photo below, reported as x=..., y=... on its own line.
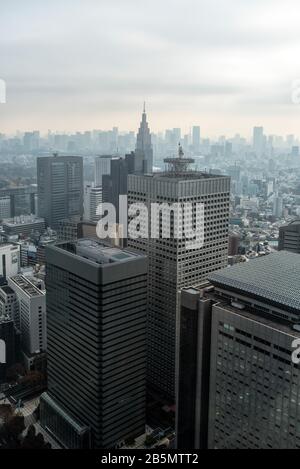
x=179, y=165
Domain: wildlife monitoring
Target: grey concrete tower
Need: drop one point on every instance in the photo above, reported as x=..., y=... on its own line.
x=144, y=150
x=172, y=263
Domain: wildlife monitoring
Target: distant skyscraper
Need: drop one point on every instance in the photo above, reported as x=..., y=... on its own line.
x=289, y=237
x=115, y=184
x=144, y=150
x=238, y=387
x=102, y=167
x=60, y=188
x=92, y=199
x=22, y=200
x=176, y=135
x=172, y=264
x=5, y=209
x=277, y=207
x=196, y=138
x=96, y=320
x=258, y=140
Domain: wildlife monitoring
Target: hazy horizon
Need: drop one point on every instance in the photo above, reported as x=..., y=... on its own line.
x=75, y=65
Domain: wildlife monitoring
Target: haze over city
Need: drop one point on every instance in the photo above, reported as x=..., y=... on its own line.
x=82, y=65
x=149, y=228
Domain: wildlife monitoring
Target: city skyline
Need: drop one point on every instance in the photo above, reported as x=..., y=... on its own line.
x=90, y=65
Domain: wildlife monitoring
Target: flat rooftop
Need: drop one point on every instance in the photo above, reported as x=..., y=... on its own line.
x=26, y=286
x=185, y=175
x=7, y=290
x=275, y=277
x=98, y=252
x=13, y=222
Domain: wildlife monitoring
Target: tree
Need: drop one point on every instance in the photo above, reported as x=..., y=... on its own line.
x=15, y=426
x=33, y=441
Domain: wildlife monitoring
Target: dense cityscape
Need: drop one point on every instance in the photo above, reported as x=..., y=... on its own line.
x=85, y=321
x=149, y=229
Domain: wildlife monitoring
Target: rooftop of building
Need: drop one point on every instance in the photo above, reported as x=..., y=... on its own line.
x=295, y=223
x=190, y=175
x=23, y=220
x=207, y=291
x=274, y=278
x=7, y=290
x=96, y=251
x=9, y=245
x=26, y=286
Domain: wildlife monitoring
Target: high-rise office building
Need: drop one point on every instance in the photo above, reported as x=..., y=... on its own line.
x=9, y=260
x=237, y=385
x=289, y=237
x=22, y=200
x=32, y=313
x=60, y=188
x=144, y=150
x=196, y=138
x=277, y=207
x=258, y=140
x=7, y=334
x=96, y=320
x=9, y=305
x=115, y=184
x=92, y=199
x=173, y=262
x=102, y=168
x=4, y=207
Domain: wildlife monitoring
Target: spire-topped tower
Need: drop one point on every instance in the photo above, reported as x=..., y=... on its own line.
x=144, y=151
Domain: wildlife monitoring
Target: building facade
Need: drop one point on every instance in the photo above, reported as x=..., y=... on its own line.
x=289, y=237
x=96, y=316
x=60, y=188
x=32, y=314
x=92, y=199
x=9, y=260
x=102, y=168
x=174, y=265
x=23, y=226
x=143, y=150
x=237, y=384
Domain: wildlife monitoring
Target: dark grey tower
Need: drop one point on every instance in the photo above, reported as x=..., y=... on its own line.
x=60, y=188
x=115, y=184
x=144, y=150
x=96, y=322
x=237, y=384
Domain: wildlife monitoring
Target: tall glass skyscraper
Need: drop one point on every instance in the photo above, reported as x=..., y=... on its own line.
x=96, y=322
x=60, y=188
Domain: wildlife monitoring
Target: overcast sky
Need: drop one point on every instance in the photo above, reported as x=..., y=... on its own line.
x=225, y=65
